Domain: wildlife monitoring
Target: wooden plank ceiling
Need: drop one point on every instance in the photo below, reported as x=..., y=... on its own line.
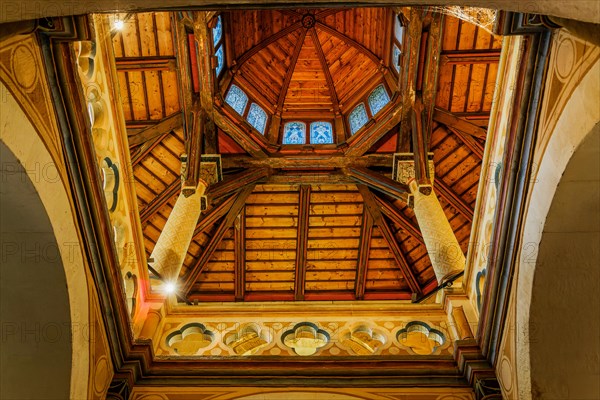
x=278, y=57
x=305, y=231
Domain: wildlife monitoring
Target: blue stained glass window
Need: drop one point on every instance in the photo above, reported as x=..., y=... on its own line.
x=220, y=56
x=321, y=133
x=257, y=117
x=237, y=99
x=217, y=31
x=294, y=133
x=378, y=99
x=358, y=118
x=396, y=58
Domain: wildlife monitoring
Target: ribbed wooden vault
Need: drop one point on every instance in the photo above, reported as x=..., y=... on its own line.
x=309, y=223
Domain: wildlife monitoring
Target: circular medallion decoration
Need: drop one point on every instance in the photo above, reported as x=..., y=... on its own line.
x=101, y=375
x=308, y=21
x=24, y=67
x=565, y=58
x=505, y=374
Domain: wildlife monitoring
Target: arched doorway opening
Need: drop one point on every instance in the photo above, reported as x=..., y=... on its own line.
x=564, y=320
x=34, y=306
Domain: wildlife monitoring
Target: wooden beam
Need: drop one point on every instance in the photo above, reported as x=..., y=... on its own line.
x=452, y=121
x=302, y=242
x=184, y=74
x=240, y=135
x=157, y=63
x=409, y=72
x=237, y=182
x=360, y=143
x=390, y=239
x=211, y=216
x=419, y=137
x=330, y=84
x=142, y=151
x=312, y=161
x=271, y=39
x=215, y=240
x=310, y=178
x=491, y=56
x=239, y=248
x=290, y=71
x=364, y=247
x=205, y=58
x=211, y=139
x=159, y=201
x=399, y=219
x=431, y=68
x=475, y=146
x=194, y=138
x=160, y=128
x=455, y=201
x=348, y=40
x=378, y=182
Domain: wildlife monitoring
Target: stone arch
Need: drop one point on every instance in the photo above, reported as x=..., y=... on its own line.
x=19, y=138
x=550, y=211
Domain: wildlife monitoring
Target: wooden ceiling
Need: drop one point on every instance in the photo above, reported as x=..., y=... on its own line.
x=300, y=66
x=282, y=227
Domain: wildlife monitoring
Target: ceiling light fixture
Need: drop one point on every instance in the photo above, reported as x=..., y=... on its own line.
x=169, y=288
x=118, y=24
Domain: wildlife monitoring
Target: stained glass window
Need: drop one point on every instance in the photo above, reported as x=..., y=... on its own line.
x=220, y=60
x=237, y=99
x=396, y=57
x=217, y=31
x=358, y=118
x=321, y=133
x=294, y=133
x=398, y=29
x=378, y=99
x=257, y=117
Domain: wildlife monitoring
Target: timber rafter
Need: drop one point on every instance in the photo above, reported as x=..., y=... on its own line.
x=364, y=246
x=237, y=182
x=271, y=39
x=160, y=201
x=302, y=242
x=388, y=235
x=344, y=38
x=227, y=222
x=454, y=200
x=378, y=182
x=290, y=71
x=319, y=49
x=161, y=127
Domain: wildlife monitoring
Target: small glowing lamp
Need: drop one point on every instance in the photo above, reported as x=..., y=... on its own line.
x=169, y=288
x=118, y=24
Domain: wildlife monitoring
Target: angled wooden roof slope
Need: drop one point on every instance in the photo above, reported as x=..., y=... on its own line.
x=303, y=226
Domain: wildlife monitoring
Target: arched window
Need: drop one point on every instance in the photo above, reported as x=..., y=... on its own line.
x=217, y=33
x=237, y=99
x=220, y=59
x=378, y=99
x=294, y=133
x=397, y=42
x=321, y=133
x=358, y=118
x=257, y=117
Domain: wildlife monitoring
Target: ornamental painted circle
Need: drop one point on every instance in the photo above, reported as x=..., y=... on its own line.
x=308, y=21
x=24, y=67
